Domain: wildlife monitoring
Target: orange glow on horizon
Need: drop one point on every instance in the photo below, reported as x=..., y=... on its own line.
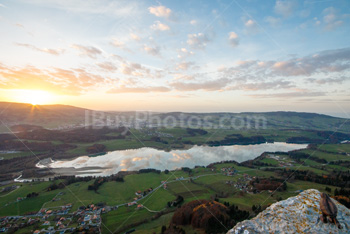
x=34, y=97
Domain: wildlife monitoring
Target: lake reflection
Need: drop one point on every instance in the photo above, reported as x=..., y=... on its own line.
x=135, y=159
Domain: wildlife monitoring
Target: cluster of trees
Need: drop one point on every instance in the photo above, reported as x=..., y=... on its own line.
x=56, y=186
x=158, y=139
x=234, y=139
x=33, y=194
x=67, y=180
x=196, y=131
x=25, y=127
x=303, y=140
x=333, y=137
x=257, y=209
x=341, y=163
x=97, y=183
x=33, y=146
x=211, y=216
x=96, y=148
x=342, y=196
x=336, y=178
x=268, y=184
x=326, y=137
x=172, y=229
x=75, y=135
x=211, y=165
x=186, y=169
x=176, y=202
x=298, y=156
x=148, y=170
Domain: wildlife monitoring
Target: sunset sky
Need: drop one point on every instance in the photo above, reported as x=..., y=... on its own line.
x=191, y=55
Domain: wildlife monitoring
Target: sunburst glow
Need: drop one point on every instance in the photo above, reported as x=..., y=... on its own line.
x=34, y=97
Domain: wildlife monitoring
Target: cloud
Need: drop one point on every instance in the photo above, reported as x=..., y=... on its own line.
x=324, y=62
x=116, y=9
x=289, y=95
x=184, y=53
x=57, y=80
x=184, y=77
x=135, y=37
x=117, y=43
x=331, y=18
x=285, y=8
x=251, y=27
x=152, y=50
x=158, y=26
x=45, y=50
x=211, y=85
x=233, y=39
x=323, y=81
x=107, y=66
x=198, y=40
x=184, y=65
x=19, y=25
x=278, y=84
x=273, y=21
x=135, y=69
x=154, y=89
x=193, y=22
x=88, y=51
x=161, y=11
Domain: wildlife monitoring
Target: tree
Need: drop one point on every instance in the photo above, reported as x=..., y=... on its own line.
x=253, y=208
x=163, y=229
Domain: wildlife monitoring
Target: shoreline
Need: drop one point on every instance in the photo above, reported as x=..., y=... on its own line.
x=91, y=170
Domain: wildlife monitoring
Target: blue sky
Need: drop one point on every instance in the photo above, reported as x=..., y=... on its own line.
x=229, y=55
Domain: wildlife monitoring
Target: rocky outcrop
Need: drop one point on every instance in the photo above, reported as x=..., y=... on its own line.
x=299, y=214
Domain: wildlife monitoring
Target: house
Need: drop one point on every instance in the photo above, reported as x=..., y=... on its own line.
x=131, y=203
x=46, y=223
x=36, y=232
x=87, y=218
x=138, y=193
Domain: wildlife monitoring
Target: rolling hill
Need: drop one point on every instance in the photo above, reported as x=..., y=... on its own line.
x=53, y=116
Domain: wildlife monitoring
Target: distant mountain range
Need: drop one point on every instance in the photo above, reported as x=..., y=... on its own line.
x=43, y=115
x=53, y=116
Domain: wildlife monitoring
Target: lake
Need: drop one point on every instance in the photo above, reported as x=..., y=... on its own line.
x=135, y=159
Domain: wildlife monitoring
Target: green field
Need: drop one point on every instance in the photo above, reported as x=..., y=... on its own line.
x=206, y=183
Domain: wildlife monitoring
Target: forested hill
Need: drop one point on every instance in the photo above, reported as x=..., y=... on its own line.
x=58, y=115
x=43, y=115
x=273, y=120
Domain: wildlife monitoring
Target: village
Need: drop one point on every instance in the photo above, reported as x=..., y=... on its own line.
x=56, y=220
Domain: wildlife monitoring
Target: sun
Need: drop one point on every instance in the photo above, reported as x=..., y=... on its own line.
x=34, y=97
